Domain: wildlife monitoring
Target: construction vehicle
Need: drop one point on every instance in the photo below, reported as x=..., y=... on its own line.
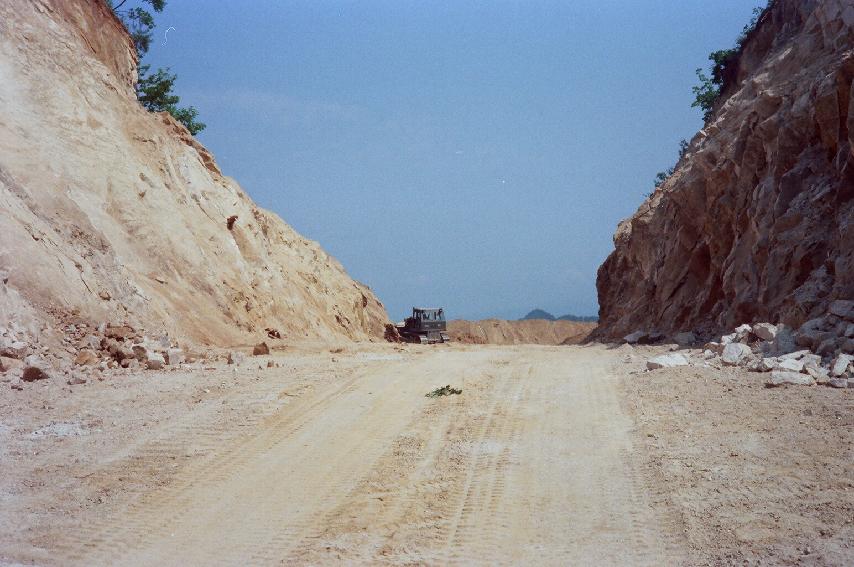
x=426, y=326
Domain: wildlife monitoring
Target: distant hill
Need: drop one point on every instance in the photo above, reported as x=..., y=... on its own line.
x=538, y=314
x=545, y=315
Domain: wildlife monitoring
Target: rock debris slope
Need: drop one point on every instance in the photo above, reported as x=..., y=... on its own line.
x=118, y=214
x=757, y=222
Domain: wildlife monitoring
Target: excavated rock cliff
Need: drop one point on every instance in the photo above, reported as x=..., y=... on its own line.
x=757, y=222
x=116, y=214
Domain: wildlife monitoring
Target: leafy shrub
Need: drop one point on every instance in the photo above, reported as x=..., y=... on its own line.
x=154, y=91
x=662, y=176
x=723, y=69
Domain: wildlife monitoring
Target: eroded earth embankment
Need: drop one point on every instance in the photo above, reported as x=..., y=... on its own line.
x=110, y=213
x=532, y=331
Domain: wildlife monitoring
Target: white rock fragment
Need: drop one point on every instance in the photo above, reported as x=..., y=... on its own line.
x=666, y=361
x=791, y=365
x=35, y=368
x=810, y=358
x=780, y=377
x=736, y=353
x=155, y=361
x=12, y=348
x=797, y=355
x=819, y=373
x=765, y=331
x=841, y=364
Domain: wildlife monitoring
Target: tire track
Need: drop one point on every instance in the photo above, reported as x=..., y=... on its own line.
x=144, y=520
x=533, y=463
x=472, y=535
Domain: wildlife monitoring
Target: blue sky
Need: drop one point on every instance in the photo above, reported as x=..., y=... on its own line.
x=474, y=155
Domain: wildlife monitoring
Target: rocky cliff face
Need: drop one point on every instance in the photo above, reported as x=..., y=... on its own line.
x=757, y=222
x=117, y=214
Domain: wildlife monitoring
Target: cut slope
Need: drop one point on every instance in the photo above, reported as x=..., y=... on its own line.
x=757, y=222
x=122, y=215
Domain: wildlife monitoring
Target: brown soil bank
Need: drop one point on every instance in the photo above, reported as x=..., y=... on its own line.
x=501, y=332
x=757, y=222
x=121, y=214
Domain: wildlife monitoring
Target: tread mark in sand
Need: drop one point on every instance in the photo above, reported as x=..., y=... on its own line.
x=143, y=521
x=484, y=479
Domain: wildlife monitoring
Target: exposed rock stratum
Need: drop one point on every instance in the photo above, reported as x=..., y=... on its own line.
x=757, y=222
x=121, y=215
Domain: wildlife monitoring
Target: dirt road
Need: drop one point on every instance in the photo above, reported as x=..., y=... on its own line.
x=531, y=463
x=551, y=455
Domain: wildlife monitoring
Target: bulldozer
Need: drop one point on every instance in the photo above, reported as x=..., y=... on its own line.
x=426, y=326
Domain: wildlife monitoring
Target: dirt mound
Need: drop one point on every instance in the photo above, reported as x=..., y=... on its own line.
x=118, y=214
x=757, y=222
x=533, y=331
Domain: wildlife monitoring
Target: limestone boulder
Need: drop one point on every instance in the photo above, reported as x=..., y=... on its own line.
x=669, y=360
x=765, y=331
x=781, y=377
x=841, y=364
x=735, y=354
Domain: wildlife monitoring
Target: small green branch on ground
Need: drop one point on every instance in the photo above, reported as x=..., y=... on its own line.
x=444, y=391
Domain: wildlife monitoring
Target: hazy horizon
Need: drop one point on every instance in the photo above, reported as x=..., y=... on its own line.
x=473, y=157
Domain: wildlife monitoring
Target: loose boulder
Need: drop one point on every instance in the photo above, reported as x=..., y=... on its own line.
x=140, y=352
x=13, y=349
x=781, y=377
x=819, y=373
x=155, y=361
x=735, y=354
x=841, y=364
x=666, y=361
x=765, y=331
x=791, y=365
x=35, y=368
x=8, y=363
x=86, y=357
x=261, y=349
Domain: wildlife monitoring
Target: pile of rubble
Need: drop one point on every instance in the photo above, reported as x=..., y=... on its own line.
x=821, y=351
x=81, y=352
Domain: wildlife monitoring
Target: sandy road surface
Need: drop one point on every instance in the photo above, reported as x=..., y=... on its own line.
x=348, y=461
